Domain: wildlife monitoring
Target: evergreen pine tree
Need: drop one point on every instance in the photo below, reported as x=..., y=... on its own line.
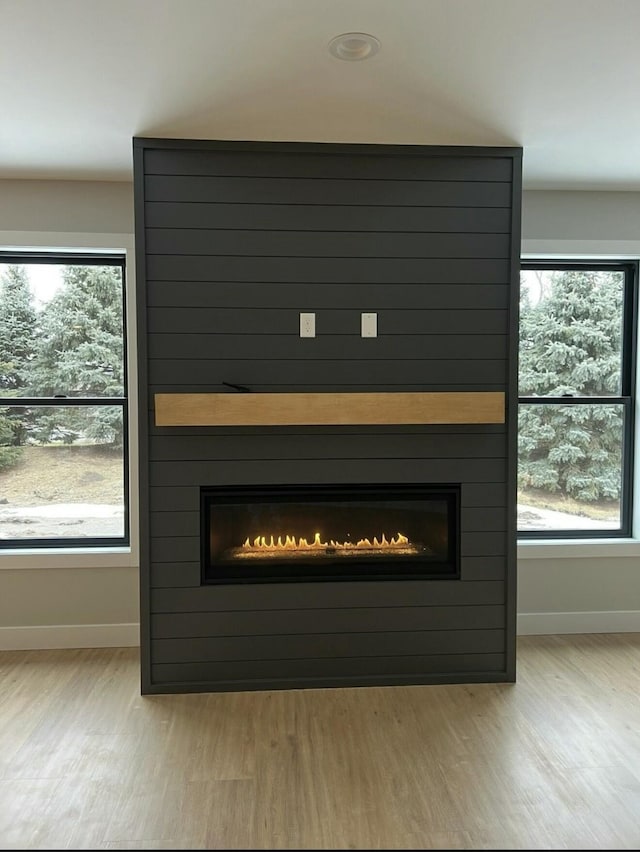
x=80, y=353
x=9, y=452
x=17, y=340
x=570, y=345
x=17, y=330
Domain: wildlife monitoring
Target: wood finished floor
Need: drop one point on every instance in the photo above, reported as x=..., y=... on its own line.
x=550, y=762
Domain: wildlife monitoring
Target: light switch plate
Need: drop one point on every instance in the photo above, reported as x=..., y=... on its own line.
x=307, y=325
x=369, y=326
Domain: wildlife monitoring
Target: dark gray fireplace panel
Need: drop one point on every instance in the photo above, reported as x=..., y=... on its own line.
x=234, y=240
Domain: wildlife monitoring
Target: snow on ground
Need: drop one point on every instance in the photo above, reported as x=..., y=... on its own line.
x=533, y=518
x=62, y=520
x=63, y=510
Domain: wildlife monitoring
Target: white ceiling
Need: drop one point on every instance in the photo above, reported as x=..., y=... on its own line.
x=80, y=78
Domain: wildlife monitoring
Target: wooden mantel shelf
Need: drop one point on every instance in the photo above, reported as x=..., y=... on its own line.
x=327, y=409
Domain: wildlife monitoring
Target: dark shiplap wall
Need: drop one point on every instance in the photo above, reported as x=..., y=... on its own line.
x=233, y=241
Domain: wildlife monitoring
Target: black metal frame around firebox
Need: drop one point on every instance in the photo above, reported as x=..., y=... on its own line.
x=355, y=568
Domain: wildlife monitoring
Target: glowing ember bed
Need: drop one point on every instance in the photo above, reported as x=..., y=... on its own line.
x=292, y=533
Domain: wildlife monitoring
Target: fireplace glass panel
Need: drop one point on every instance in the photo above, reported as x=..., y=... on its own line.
x=319, y=533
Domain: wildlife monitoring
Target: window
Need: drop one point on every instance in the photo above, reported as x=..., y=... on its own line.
x=63, y=412
x=576, y=390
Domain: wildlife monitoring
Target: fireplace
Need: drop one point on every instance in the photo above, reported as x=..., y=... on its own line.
x=313, y=533
x=248, y=582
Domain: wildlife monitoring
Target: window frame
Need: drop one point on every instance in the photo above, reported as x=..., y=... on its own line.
x=81, y=257
x=626, y=398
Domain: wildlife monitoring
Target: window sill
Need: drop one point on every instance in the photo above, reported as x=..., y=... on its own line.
x=578, y=548
x=76, y=557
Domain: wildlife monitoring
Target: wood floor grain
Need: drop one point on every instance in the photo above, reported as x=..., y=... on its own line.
x=552, y=761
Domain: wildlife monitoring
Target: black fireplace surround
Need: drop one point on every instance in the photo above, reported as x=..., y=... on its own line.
x=329, y=532
x=234, y=240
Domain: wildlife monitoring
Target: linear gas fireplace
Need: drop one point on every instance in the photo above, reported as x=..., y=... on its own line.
x=312, y=533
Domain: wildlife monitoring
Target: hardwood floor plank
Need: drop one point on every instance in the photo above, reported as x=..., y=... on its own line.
x=552, y=761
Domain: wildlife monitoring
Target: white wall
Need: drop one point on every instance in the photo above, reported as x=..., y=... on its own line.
x=591, y=216
x=60, y=600
x=79, y=207
x=580, y=588
x=562, y=588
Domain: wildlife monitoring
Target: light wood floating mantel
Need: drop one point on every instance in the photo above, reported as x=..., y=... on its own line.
x=327, y=409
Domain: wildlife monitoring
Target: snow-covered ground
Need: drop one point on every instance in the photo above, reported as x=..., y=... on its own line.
x=533, y=518
x=62, y=520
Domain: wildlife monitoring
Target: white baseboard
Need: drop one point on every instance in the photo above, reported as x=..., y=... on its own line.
x=613, y=621
x=69, y=636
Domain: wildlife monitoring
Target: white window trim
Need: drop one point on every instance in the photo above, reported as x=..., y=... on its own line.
x=90, y=557
x=602, y=547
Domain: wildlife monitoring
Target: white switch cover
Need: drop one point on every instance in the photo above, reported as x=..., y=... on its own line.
x=369, y=325
x=307, y=325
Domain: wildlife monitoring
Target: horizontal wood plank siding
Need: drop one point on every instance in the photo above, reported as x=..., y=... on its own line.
x=181, y=498
x=415, y=371
x=328, y=217
x=320, y=471
x=259, y=190
x=314, y=645
x=316, y=297
x=237, y=239
x=318, y=270
x=390, y=347
x=268, y=321
x=329, y=164
x=356, y=671
x=184, y=575
x=365, y=593
x=172, y=241
x=347, y=620
x=301, y=446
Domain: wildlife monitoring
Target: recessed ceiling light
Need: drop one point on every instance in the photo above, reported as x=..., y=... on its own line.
x=354, y=46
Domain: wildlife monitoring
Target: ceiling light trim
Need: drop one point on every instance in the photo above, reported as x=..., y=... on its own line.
x=353, y=47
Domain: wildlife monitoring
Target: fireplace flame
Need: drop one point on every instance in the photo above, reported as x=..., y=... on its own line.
x=289, y=542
